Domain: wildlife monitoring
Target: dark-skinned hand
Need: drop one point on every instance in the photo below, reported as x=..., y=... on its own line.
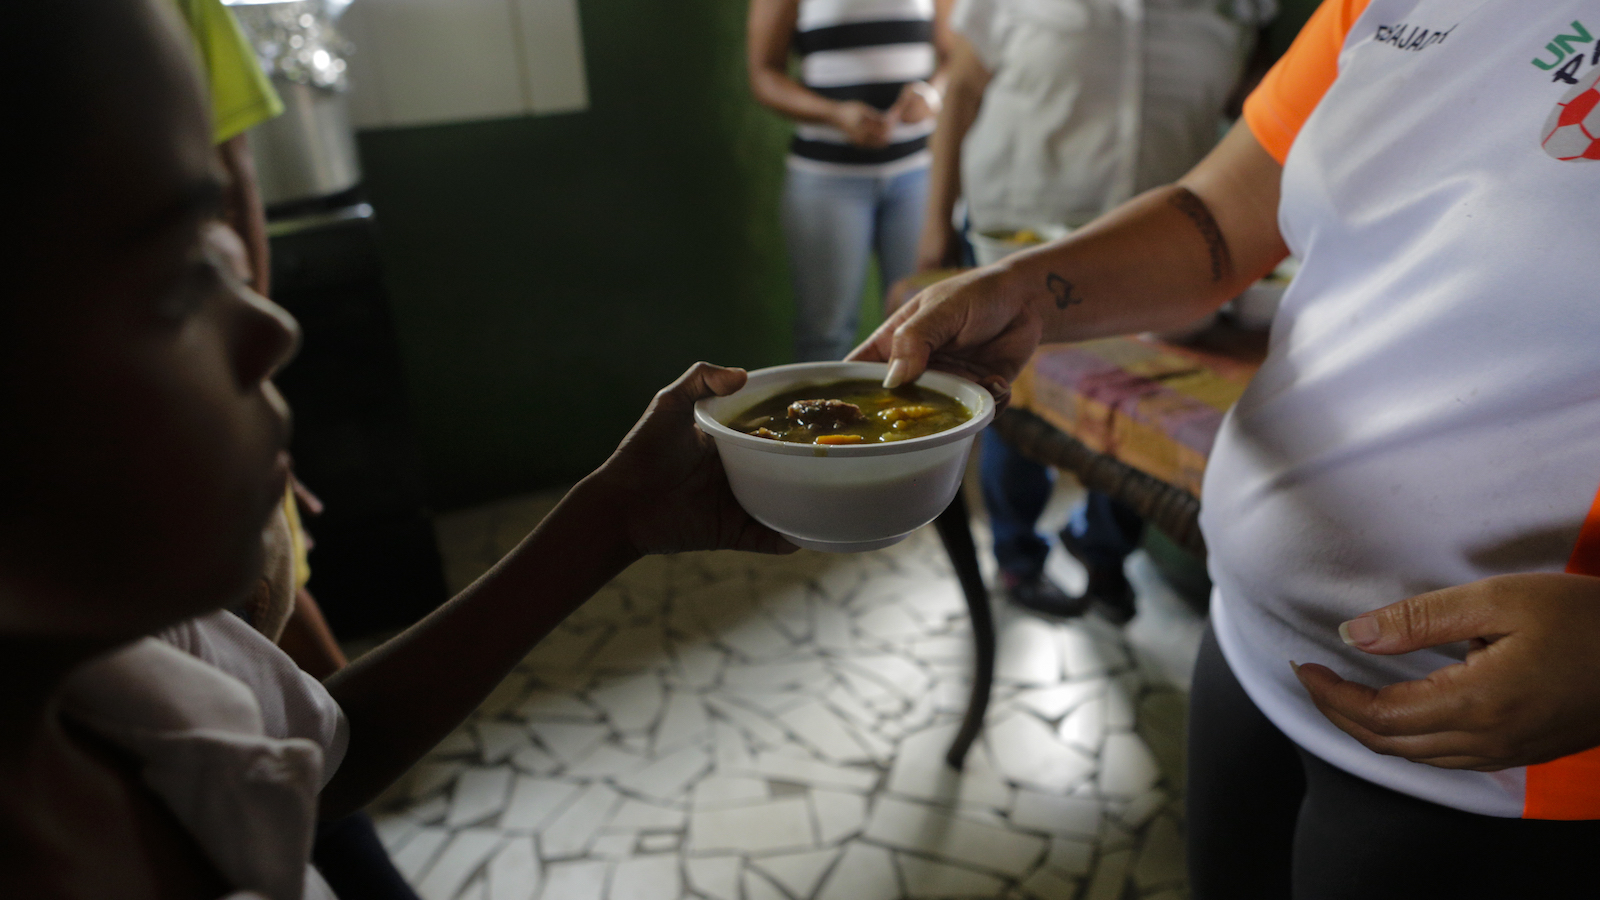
x=667, y=479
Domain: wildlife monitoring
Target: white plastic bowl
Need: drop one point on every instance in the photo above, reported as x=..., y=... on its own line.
x=845, y=498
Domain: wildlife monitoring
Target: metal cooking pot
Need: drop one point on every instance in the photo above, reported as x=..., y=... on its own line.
x=310, y=151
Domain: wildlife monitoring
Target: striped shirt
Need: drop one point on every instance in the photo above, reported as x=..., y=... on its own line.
x=866, y=50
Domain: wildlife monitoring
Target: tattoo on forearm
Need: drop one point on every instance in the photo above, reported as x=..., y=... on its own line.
x=1061, y=289
x=1192, y=206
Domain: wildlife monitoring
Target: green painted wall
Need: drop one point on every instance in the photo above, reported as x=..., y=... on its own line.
x=549, y=274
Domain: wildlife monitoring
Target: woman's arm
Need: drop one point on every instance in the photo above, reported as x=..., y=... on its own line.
x=1155, y=263
x=662, y=491
x=767, y=36
x=963, y=96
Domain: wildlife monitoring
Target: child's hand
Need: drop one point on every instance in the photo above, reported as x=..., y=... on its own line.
x=668, y=480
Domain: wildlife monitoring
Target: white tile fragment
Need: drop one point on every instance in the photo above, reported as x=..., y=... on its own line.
x=1070, y=856
x=605, y=761
x=684, y=721
x=825, y=732
x=783, y=824
x=630, y=704
x=789, y=766
x=478, y=889
x=1055, y=814
x=748, y=720
x=613, y=845
x=728, y=790
x=534, y=761
x=1120, y=708
x=1085, y=727
x=569, y=741
x=1127, y=767
x=1048, y=884
x=844, y=701
x=641, y=816
x=556, y=706
x=920, y=771
x=891, y=623
x=716, y=877
x=653, y=877
x=733, y=752
x=661, y=842
x=756, y=638
x=1143, y=808
x=928, y=829
x=1027, y=653
x=1057, y=700
x=833, y=628
x=899, y=674
x=944, y=647
x=394, y=830
x=514, y=872
x=1110, y=876
x=668, y=777
x=571, y=831
x=419, y=852
x=864, y=872
x=467, y=851
x=1081, y=654
x=535, y=801
x=839, y=815
x=479, y=793
x=432, y=811
x=797, y=873
x=1028, y=752
x=698, y=665
x=581, y=879
x=499, y=740
x=925, y=878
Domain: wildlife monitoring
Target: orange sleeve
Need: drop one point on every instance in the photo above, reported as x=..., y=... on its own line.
x=1294, y=86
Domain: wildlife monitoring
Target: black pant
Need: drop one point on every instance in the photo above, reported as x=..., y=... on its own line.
x=1268, y=820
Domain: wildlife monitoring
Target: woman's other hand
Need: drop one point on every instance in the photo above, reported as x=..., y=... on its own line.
x=918, y=101
x=862, y=125
x=666, y=478
x=1528, y=691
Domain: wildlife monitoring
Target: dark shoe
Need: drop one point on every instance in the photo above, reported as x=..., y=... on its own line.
x=1109, y=592
x=1039, y=594
x=1110, y=595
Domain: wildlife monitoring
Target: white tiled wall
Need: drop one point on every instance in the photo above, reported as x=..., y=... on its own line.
x=428, y=62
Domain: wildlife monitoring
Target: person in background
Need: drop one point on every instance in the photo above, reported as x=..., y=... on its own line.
x=1398, y=695
x=1055, y=112
x=347, y=852
x=870, y=77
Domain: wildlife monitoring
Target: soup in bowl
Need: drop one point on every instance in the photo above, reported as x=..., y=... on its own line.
x=845, y=475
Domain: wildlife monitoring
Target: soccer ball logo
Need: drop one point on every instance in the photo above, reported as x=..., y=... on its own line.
x=1573, y=130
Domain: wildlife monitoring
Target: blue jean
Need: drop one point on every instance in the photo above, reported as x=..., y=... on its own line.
x=831, y=223
x=1015, y=490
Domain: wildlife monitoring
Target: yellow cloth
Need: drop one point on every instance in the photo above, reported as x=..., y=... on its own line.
x=297, y=540
x=241, y=94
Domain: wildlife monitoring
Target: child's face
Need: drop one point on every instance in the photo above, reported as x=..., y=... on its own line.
x=144, y=446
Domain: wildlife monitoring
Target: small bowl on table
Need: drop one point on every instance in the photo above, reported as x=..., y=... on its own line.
x=843, y=498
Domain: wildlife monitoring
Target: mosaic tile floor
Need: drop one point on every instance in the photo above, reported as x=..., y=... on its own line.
x=734, y=727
